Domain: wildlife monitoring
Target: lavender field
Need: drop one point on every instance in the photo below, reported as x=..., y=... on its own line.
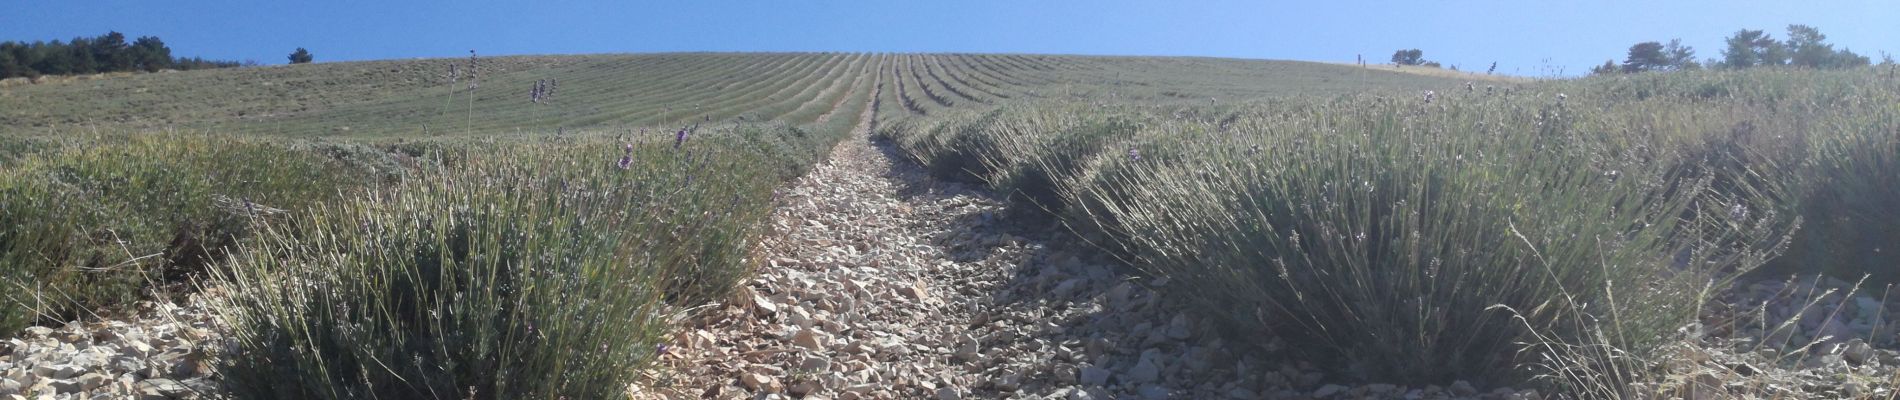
x=927, y=225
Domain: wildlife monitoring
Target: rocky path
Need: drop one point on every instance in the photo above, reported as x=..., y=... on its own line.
x=154, y=350
x=883, y=283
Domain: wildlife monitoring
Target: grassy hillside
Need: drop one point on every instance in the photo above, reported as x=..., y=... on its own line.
x=370, y=124
x=1404, y=227
x=430, y=97
x=447, y=212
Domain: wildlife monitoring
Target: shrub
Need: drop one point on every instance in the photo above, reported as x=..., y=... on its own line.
x=301, y=56
x=1384, y=235
x=86, y=226
x=525, y=275
x=953, y=148
x=1041, y=151
x=1852, y=188
x=1822, y=142
x=14, y=148
x=1422, y=242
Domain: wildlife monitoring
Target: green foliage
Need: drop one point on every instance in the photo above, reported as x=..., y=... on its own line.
x=1608, y=67
x=1408, y=57
x=81, y=57
x=111, y=52
x=300, y=56
x=1645, y=56
x=150, y=54
x=1748, y=48
x=14, y=147
x=1653, y=56
x=1847, y=191
x=1805, y=47
x=92, y=224
x=1678, y=57
x=104, y=53
x=1810, y=49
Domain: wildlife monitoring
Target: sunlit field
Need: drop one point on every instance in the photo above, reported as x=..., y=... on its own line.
x=540, y=226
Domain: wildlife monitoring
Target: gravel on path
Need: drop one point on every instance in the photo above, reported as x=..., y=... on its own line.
x=883, y=283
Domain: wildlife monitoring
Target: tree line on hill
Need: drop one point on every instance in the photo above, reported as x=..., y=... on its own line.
x=1804, y=47
x=1416, y=57
x=104, y=53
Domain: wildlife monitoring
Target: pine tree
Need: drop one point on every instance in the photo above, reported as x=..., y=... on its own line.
x=300, y=56
x=1645, y=56
x=150, y=54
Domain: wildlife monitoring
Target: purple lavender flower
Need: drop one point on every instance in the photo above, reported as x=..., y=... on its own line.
x=1134, y=154
x=472, y=76
x=679, y=138
x=627, y=159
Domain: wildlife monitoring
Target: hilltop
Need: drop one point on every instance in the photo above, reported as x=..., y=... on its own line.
x=447, y=96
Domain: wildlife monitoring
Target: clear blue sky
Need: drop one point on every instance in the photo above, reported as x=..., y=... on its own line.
x=1526, y=37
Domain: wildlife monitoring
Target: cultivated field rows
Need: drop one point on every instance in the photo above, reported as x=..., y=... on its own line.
x=873, y=225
